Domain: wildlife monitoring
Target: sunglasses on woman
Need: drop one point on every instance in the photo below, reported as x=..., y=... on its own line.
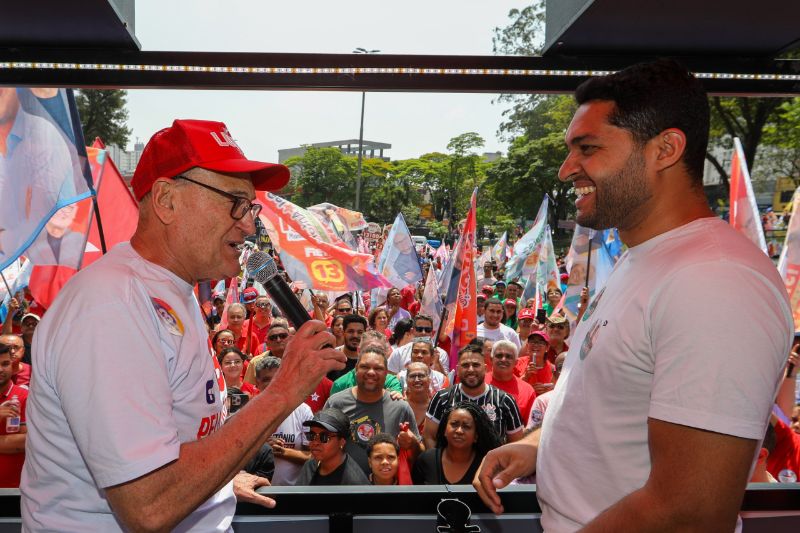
x=323, y=437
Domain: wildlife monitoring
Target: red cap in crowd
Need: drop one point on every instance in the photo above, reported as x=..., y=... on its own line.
x=487, y=288
x=249, y=295
x=205, y=144
x=510, y=301
x=541, y=334
x=564, y=278
x=526, y=312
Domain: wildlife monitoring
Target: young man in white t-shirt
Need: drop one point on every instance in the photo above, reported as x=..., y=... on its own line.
x=492, y=328
x=655, y=421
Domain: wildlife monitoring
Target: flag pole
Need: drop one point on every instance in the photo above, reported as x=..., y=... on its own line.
x=8, y=288
x=589, y=259
x=439, y=329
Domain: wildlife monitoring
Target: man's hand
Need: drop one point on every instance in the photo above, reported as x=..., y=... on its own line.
x=394, y=395
x=7, y=411
x=278, y=446
x=541, y=388
x=308, y=357
x=244, y=486
x=503, y=465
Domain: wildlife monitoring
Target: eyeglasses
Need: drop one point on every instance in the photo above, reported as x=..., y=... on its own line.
x=13, y=348
x=417, y=376
x=501, y=355
x=424, y=329
x=262, y=306
x=225, y=342
x=323, y=437
x=277, y=336
x=556, y=326
x=232, y=363
x=241, y=205
x=345, y=310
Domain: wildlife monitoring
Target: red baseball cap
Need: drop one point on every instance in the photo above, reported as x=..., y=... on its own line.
x=526, y=312
x=205, y=144
x=541, y=334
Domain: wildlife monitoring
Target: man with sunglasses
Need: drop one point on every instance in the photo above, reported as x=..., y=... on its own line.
x=146, y=445
x=400, y=357
x=558, y=332
x=262, y=318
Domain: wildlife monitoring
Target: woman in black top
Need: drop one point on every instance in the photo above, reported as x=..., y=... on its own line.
x=464, y=437
x=329, y=463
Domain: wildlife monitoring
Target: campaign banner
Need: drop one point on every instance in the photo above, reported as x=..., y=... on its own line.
x=465, y=320
x=577, y=260
x=331, y=215
x=310, y=255
x=431, y=303
x=500, y=250
x=42, y=170
x=789, y=262
x=744, y=215
x=399, y=261
x=525, y=260
x=17, y=276
x=547, y=275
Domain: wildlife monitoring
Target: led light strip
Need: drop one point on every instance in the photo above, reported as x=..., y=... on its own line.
x=18, y=65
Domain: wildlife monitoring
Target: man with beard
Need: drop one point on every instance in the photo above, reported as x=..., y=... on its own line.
x=354, y=327
x=372, y=410
x=499, y=406
x=677, y=404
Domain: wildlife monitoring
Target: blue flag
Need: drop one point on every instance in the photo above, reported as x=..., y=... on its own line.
x=43, y=168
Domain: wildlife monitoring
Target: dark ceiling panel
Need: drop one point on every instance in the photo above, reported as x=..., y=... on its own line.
x=67, y=24
x=747, y=28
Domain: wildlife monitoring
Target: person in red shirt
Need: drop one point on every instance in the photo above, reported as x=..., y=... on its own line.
x=558, y=331
x=379, y=321
x=504, y=359
x=784, y=461
x=236, y=323
x=231, y=360
x=20, y=372
x=262, y=318
x=12, y=445
x=534, y=368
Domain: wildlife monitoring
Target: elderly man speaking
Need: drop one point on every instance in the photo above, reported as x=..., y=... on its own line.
x=127, y=403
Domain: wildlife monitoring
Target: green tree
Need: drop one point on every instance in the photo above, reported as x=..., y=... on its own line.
x=103, y=115
x=323, y=175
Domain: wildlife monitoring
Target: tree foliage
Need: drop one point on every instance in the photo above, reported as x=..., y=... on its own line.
x=103, y=114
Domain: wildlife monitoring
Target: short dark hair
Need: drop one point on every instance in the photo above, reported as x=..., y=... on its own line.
x=402, y=327
x=381, y=438
x=492, y=301
x=217, y=334
x=421, y=316
x=349, y=319
x=5, y=349
x=471, y=348
x=651, y=97
x=229, y=350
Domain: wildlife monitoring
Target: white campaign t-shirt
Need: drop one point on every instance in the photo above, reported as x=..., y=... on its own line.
x=124, y=375
x=402, y=356
x=502, y=332
x=293, y=434
x=693, y=327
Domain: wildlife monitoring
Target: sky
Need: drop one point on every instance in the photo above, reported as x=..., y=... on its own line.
x=263, y=122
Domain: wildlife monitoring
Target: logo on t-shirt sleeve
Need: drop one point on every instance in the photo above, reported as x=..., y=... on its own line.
x=167, y=316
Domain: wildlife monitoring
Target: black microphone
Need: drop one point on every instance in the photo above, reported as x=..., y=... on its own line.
x=262, y=268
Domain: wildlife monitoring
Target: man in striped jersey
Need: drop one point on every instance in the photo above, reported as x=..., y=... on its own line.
x=500, y=407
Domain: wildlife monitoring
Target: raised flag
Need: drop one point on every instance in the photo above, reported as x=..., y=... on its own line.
x=431, y=303
x=399, y=262
x=789, y=262
x=42, y=169
x=465, y=319
x=310, y=255
x=528, y=246
x=17, y=276
x=744, y=215
x=500, y=250
x=577, y=260
x=547, y=275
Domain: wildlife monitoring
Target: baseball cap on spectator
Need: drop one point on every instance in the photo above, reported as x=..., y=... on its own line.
x=205, y=144
x=31, y=315
x=487, y=288
x=510, y=301
x=541, y=334
x=218, y=295
x=517, y=283
x=500, y=282
x=526, y=312
x=564, y=278
x=481, y=296
x=555, y=318
x=249, y=295
x=330, y=419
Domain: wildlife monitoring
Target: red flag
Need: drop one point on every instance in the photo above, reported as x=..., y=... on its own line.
x=119, y=213
x=744, y=215
x=465, y=322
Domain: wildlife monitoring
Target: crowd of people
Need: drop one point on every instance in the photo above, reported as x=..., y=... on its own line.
x=160, y=417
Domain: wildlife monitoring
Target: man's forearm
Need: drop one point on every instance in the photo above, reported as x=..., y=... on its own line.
x=164, y=497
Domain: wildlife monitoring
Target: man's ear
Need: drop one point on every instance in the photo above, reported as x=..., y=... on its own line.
x=162, y=200
x=668, y=147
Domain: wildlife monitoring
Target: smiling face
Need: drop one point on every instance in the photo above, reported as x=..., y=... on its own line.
x=381, y=320
x=352, y=335
x=371, y=372
x=224, y=339
x=383, y=463
x=277, y=338
x=236, y=318
x=460, y=431
x=418, y=380
x=607, y=169
x=232, y=366
x=471, y=370
x=503, y=361
x=493, y=314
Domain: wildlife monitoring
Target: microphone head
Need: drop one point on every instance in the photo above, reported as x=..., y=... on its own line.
x=261, y=267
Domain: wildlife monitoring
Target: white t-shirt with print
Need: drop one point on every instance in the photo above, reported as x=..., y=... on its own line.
x=693, y=327
x=124, y=376
x=293, y=433
x=502, y=332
